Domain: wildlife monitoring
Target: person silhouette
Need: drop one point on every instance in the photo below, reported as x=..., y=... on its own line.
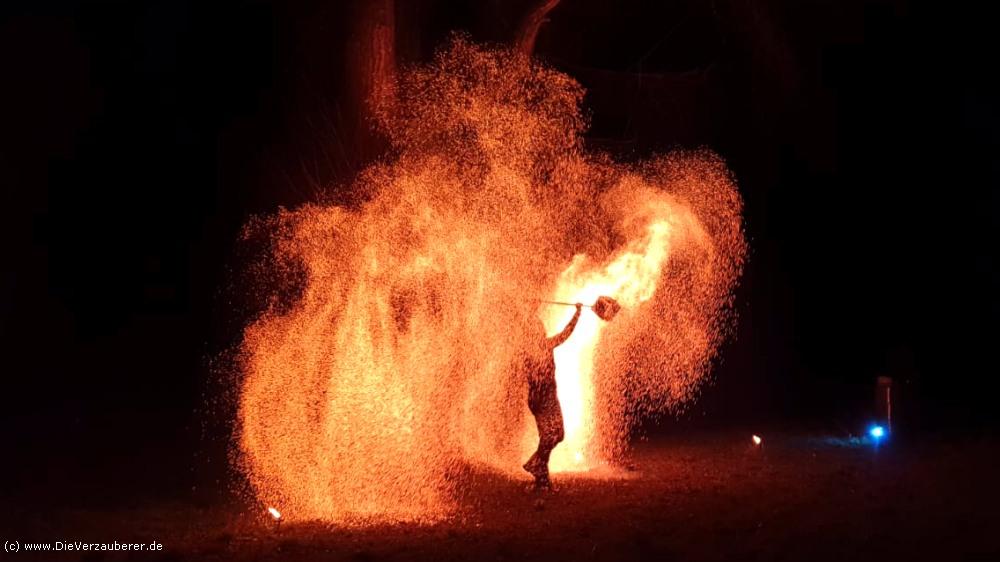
x=540, y=370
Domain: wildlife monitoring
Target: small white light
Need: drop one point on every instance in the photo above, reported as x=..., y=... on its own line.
x=274, y=513
x=757, y=440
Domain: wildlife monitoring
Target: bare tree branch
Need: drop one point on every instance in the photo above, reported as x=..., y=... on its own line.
x=527, y=32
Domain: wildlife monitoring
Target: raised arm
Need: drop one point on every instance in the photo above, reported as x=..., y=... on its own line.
x=558, y=339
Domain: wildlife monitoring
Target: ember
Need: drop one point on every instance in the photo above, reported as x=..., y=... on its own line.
x=395, y=362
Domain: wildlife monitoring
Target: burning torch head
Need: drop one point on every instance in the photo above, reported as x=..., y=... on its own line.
x=606, y=308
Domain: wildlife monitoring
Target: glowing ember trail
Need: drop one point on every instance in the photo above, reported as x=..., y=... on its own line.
x=388, y=362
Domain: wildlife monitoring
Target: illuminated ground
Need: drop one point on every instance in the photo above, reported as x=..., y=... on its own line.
x=712, y=498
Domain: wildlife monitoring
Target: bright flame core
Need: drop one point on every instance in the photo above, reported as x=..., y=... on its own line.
x=388, y=362
x=631, y=277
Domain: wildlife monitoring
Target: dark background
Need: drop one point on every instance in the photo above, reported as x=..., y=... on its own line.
x=138, y=137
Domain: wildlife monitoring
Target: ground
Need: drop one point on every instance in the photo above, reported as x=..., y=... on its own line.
x=702, y=497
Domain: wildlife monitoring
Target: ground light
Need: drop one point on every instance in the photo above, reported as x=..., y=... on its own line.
x=277, y=517
x=877, y=432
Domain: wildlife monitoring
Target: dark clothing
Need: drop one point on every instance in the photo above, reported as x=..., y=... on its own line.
x=540, y=368
x=549, y=420
x=541, y=383
x=543, y=401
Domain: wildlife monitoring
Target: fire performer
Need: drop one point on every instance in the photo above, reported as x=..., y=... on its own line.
x=540, y=370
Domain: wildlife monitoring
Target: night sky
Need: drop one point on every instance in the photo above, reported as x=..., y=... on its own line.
x=139, y=137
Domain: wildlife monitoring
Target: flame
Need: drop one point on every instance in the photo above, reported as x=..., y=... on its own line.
x=387, y=363
x=631, y=278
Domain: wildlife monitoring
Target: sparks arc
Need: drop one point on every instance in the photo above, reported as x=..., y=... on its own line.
x=388, y=366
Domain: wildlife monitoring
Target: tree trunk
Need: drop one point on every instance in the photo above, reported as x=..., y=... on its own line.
x=371, y=69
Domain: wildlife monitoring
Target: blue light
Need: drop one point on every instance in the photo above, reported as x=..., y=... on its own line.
x=877, y=431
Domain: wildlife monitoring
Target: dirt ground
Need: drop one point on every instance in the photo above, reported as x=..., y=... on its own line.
x=709, y=497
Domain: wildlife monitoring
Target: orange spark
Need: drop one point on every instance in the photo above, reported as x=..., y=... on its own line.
x=390, y=358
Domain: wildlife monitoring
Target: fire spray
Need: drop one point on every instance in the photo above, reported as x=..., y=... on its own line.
x=392, y=360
